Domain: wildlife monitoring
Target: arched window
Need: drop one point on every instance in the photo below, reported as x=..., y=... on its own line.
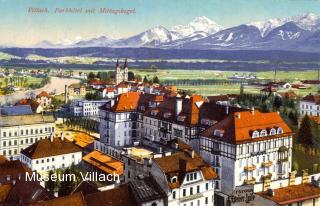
x=174, y=179
x=255, y=134
x=263, y=133
x=154, y=204
x=279, y=130
x=272, y=131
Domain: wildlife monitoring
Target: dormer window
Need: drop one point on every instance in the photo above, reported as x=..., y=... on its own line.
x=273, y=131
x=174, y=179
x=181, y=118
x=154, y=112
x=218, y=133
x=263, y=133
x=167, y=115
x=279, y=130
x=255, y=134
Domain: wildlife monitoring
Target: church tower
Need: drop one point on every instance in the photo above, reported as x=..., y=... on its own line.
x=125, y=72
x=118, y=75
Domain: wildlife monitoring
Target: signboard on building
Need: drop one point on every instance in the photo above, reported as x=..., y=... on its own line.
x=242, y=196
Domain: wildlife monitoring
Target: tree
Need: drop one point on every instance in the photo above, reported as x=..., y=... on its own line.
x=66, y=186
x=156, y=80
x=50, y=184
x=145, y=79
x=138, y=78
x=130, y=76
x=91, y=75
x=293, y=117
x=305, y=132
x=277, y=102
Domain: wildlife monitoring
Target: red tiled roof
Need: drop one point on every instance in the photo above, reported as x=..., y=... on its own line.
x=238, y=130
x=181, y=163
x=293, y=194
x=43, y=94
x=46, y=148
x=14, y=168
x=74, y=200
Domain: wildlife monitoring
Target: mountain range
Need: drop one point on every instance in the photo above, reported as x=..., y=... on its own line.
x=297, y=33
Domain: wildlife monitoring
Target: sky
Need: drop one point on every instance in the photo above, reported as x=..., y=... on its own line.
x=18, y=26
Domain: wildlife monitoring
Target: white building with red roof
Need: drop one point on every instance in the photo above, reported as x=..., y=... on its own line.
x=310, y=105
x=247, y=148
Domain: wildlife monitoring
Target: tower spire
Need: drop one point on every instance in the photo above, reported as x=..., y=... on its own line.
x=117, y=65
x=125, y=63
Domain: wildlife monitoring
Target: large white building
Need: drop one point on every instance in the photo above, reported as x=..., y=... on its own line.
x=20, y=131
x=86, y=108
x=185, y=178
x=135, y=116
x=310, y=105
x=50, y=154
x=248, y=148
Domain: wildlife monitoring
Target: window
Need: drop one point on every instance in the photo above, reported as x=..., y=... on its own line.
x=195, y=176
x=184, y=192
x=207, y=186
x=206, y=200
x=174, y=194
x=263, y=133
x=255, y=134
x=191, y=190
x=198, y=189
x=279, y=130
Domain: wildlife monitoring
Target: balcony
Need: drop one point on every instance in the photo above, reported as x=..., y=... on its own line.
x=267, y=164
x=250, y=168
x=251, y=181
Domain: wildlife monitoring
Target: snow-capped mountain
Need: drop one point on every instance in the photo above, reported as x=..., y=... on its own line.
x=291, y=33
x=150, y=38
x=236, y=37
x=200, y=24
x=307, y=21
x=103, y=41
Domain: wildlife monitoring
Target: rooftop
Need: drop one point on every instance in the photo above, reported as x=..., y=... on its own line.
x=104, y=162
x=292, y=194
x=180, y=163
x=14, y=168
x=7, y=121
x=75, y=199
x=312, y=98
x=237, y=128
x=16, y=110
x=47, y=148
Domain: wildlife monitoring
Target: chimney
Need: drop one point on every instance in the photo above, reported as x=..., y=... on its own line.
x=227, y=109
x=182, y=165
x=238, y=115
x=192, y=154
x=292, y=178
x=252, y=110
x=178, y=106
x=62, y=137
x=160, y=149
x=305, y=177
x=51, y=137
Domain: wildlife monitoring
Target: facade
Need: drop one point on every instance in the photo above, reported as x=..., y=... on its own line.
x=121, y=76
x=86, y=108
x=74, y=91
x=50, y=154
x=247, y=148
x=158, y=118
x=20, y=131
x=44, y=99
x=310, y=105
x=185, y=178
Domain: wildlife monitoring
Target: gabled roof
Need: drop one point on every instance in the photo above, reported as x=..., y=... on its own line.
x=27, y=192
x=237, y=127
x=75, y=199
x=47, y=148
x=14, y=168
x=120, y=196
x=312, y=98
x=104, y=162
x=293, y=194
x=181, y=163
x=43, y=94
x=4, y=192
x=16, y=110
